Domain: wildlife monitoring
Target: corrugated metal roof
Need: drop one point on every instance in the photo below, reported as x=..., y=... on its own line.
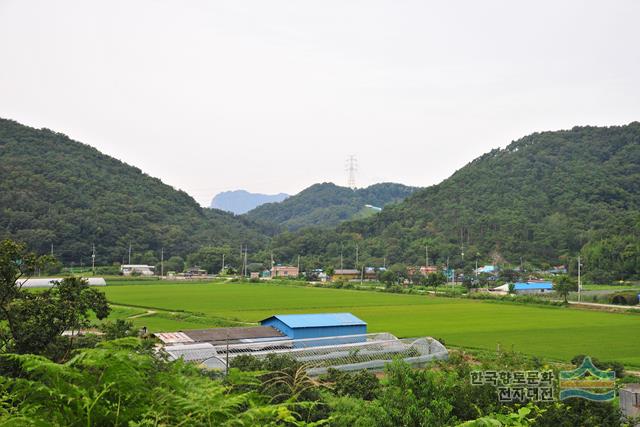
x=346, y=271
x=317, y=320
x=232, y=334
x=521, y=286
x=173, y=337
x=189, y=352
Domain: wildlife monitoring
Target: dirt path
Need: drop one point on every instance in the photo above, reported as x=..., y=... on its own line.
x=147, y=313
x=597, y=305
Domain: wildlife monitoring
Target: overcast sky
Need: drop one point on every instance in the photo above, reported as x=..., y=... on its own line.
x=272, y=96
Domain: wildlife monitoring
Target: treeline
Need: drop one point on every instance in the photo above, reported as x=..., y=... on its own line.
x=61, y=195
x=541, y=201
x=328, y=205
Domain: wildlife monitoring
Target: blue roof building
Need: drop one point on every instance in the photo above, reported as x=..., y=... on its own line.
x=487, y=269
x=301, y=326
x=533, y=286
x=527, y=287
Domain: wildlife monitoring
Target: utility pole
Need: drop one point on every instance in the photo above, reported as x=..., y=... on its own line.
x=579, y=280
x=476, y=268
x=362, y=275
x=244, y=272
x=341, y=264
x=356, y=256
x=52, y=249
x=447, y=268
x=161, y=262
x=426, y=250
x=93, y=259
x=298, y=265
x=129, y=252
x=384, y=262
x=222, y=268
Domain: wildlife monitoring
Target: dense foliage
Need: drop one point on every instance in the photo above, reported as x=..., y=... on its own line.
x=327, y=204
x=121, y=383
x=34, y=322
x=541, y=200
x=440, y=395
x=56, y=191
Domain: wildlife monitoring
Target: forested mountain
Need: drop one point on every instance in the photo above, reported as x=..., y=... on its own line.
x=241, y=201
x=327, y=204
x=56, y=191
x=542, y=199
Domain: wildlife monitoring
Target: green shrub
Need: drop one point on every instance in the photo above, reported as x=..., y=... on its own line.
x=624, y=298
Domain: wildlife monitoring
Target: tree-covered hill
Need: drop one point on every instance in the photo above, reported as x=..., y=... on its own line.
x=54, y=190
x=327, y=204
x=544, y=198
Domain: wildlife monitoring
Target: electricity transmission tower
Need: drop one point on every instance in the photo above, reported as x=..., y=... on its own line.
x=351, y=168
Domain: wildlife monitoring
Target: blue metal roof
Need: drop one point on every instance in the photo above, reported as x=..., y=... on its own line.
x=317, y=320
x=521, y=286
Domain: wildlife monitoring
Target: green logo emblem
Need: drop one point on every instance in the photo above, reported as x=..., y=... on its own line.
x=587, y=382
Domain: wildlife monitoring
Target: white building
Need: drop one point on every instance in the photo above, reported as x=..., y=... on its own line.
x=137, y=269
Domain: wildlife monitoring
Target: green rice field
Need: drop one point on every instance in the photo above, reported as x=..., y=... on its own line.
x=550, y=332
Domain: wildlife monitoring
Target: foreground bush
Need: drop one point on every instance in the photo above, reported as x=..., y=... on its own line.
x=120, y=383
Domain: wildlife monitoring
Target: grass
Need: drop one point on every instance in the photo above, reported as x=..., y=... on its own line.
x=552, y=332
x=616, y=287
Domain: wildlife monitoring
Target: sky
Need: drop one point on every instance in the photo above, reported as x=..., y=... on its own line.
x=273, y=96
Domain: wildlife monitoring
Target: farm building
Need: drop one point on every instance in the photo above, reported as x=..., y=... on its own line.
x=424, y=270
x=141, y=269
x=487, y=269
x=320, y=341
x=218, y=336
x=345, y=274
x=302, y=326
x=284, y=271
x=527, y=287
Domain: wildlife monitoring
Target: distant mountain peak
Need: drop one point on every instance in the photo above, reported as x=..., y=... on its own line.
x=242, y=201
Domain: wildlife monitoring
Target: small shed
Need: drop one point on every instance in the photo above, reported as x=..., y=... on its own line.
x=301, y=326
x=630, y=400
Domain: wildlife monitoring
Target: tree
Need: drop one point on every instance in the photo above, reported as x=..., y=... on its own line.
x=468, y=283
x=508, y=275
x=175, y=263
x=35, y=321
x=42, y=317
x=436, y=279
x=564, y=285
x=388, y=277
x=16, y=264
